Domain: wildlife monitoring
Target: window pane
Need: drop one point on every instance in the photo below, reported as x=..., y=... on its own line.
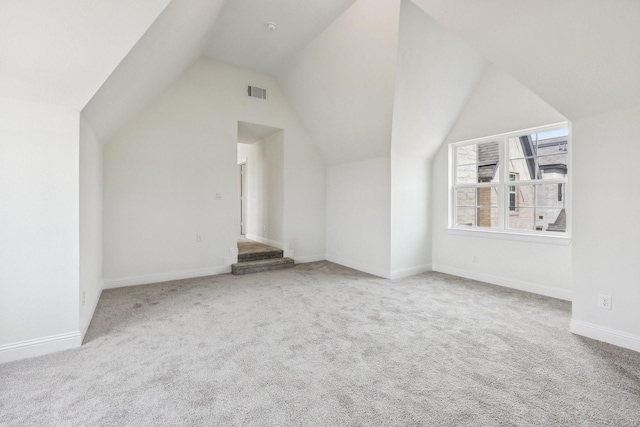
x=552, y=138
x=489, y=172
x=467, y=174
x=516, y=150
x=488, y=157
x=553, y=220
x=487, y=217
x=524, y=195
x=488, y=196
x=550, y=195
x=467, y=155
x=523, y=220
x=525, y=168
x=530, y=202
x=466, y=197
x=466, y=216
x=553, y=166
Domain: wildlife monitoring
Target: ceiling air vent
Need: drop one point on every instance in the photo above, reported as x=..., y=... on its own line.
x=257, y=92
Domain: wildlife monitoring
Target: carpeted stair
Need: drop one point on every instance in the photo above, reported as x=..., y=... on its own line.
x=263, y=258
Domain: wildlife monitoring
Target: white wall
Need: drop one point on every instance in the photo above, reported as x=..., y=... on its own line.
x=273, y=182
x=410, y=215
x=435, y=75
x=498, y=104
x=163, y=168
x=605, y=224
x=90, y=223
x=39, y=234
x=358, y=215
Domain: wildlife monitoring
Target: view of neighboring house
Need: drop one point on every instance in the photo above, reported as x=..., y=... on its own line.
x=537, y=173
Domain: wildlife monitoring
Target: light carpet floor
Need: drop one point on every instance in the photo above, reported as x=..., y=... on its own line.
x=323, y=345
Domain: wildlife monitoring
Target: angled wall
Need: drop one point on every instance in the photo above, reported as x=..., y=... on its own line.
x=90, y=224
x=436, y=73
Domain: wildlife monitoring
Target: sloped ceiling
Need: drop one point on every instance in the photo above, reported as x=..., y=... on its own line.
x=580, y=56
x=172, y=43
x=60, y=52
x=111, y=57
x=436, y=74
x=240, y=36
x=341, y=84
x=250, y=133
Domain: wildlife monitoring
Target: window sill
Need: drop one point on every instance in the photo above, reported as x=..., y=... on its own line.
x=564, y=240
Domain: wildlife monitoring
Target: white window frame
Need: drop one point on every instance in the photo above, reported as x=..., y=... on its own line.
x=502, y=231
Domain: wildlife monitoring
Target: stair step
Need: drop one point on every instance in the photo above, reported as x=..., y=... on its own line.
x=256, y=256
x=262, y=265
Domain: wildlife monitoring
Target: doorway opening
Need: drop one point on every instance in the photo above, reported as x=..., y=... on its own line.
x=260, y=160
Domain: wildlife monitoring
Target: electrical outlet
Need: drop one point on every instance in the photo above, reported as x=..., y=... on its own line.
x=475, y=258
x=604, y=301
x=199, y=238
x=84, y=297
x=217, y=196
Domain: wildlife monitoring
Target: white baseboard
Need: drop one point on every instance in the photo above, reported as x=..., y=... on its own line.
x=358, y=266
x=521, y=285
x=164, y=277
x=309, y=258
x=94, y=303
x=39, y=346
x=401, y=273
x=600, y=333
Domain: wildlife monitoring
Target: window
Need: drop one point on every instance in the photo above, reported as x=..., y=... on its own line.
x=515, y=182
x=513, y=199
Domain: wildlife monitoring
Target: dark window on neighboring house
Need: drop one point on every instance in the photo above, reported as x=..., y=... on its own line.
x=513, y=195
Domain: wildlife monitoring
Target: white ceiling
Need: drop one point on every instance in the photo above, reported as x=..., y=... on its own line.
x=335, y=59
x=60, y=52
x=580, y=56
x=341, y=85
x=174, y=41
x=250, y=133
x=240, y=37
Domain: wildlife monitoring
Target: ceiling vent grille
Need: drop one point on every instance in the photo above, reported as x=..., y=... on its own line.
x=257, y=92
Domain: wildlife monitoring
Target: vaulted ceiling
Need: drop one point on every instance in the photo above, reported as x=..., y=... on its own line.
x=580, y=56
x=60, y=52
x=240, y=36
x=337, y=60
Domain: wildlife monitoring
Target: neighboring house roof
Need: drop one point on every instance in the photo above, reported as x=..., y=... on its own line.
x=552, y=155
x=488, y=156
x=560, y=223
